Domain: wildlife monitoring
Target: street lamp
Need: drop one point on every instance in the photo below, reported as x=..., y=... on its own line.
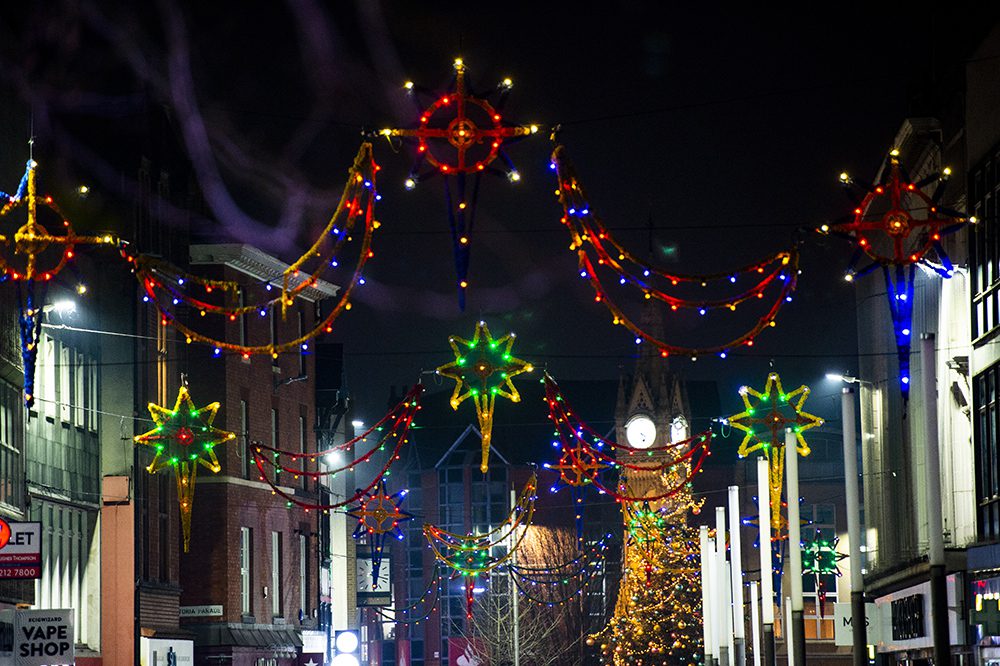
x=858, y=630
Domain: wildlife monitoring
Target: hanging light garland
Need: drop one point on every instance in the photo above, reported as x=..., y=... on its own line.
x=33, y=244
x=421, y=609
x=483, y=369
x=353, y=221
x=667, y=460
x=763, y=421
x=471, y=555
x=555, y=585
x=379, y=515
x=390, y=434
x=460, y=135
x=183, y=439
x=596, y=247
x=897, y=226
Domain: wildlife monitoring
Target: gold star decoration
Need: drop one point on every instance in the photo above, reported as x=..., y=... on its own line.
x=184, y=438
x=483, y=369
x=769, y=410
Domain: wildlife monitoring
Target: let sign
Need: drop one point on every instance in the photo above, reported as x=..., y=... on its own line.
x=20, y=550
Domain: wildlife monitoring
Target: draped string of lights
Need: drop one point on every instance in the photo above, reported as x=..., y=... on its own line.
x=483, y=369
x=897, y=226
x=555, y=585
x=471, y=555
x=30, y=245
x=589, y=235
x=183, y=439
x=574, y=435
x=764, y=419
x=379, y=515
x=353, y=221
x=421, y=609
x=391, y=433
x=460, y=135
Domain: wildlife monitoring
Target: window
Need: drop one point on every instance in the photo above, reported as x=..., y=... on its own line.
x=276, y=574
x=92, y=394
x=302, y=448
x=275, y=314
x=274, y=436
x=303, y=576
x=985, y=245
x=65, y=399
x=79, y=391
x=246, y=608
x=66, y=539
x=245, y=439
x=11, y=446
x=987, y=472
x=302, y=332
x=241, y=297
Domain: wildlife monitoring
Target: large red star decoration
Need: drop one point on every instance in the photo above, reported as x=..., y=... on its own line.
x=460, y=134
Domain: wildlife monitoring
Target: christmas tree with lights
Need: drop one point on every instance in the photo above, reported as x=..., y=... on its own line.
x=657, y=618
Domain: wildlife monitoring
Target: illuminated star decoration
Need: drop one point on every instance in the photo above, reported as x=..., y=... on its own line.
x=578, y=467
x=34, y=242
x=460, y=134
x=184, y=438
x=767, y=410
x=820, y=558
x=378, y=515
x=483, y=369
x=897, y=226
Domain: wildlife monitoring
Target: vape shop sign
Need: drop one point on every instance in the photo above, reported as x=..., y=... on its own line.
x=37, y=637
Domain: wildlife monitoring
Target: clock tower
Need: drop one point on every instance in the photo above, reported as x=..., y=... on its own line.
x=652, y=411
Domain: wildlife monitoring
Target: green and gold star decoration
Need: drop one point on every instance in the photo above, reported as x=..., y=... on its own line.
x=184, y=438
x=483, y=369
x=766, y=415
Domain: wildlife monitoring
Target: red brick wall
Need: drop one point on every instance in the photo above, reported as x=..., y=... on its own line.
x=210, y=573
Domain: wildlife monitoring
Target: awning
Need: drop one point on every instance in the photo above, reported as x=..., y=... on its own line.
x=264, y=638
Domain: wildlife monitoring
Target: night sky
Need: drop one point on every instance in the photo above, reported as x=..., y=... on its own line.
x=723, y=128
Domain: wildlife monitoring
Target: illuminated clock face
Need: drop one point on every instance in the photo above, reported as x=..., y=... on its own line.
x=365, y=576
x=640, y=431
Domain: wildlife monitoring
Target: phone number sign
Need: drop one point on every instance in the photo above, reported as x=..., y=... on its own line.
x=20, y=550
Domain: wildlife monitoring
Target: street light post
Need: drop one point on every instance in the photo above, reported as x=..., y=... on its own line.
x=797, y=635
x=858, y=624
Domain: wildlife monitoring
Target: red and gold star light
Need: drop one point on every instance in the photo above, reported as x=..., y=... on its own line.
x=184, y=438
x=379, y=514
x=483, y=369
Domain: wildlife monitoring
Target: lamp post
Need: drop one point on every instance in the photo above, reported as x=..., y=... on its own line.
x=766, y=582
x=797, y=633
x=736, y=573
x=859, y=629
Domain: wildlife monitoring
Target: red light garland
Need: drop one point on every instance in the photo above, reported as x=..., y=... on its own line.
x=573, y=435
x=164, y=283
x=394, y=428
x=588, y=234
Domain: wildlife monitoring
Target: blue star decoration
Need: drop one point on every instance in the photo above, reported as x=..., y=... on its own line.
x=379, y=514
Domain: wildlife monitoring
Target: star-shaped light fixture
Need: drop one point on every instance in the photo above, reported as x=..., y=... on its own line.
x=184, y=438
x=483, y=369
x=379, y=514
x=766, y=415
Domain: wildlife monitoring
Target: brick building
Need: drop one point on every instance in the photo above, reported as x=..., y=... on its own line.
x=249, y=583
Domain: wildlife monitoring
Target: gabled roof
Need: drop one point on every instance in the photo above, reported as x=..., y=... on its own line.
x=471, y=431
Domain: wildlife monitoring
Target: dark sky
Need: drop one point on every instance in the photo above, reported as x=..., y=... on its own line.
x=726, y=127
